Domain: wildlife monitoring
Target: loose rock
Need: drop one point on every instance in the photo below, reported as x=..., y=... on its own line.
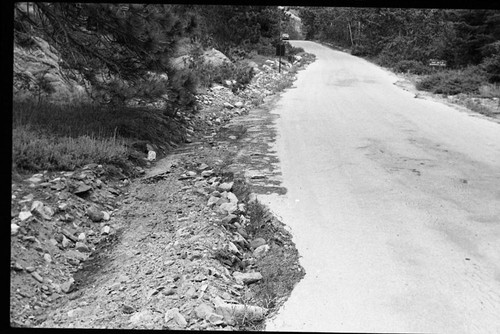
x=175, y=316
x=247, y=278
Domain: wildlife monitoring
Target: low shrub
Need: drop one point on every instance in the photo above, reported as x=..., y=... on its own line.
x=452, y=82
x=411, y=66
x=208, y=74
x=489, y=90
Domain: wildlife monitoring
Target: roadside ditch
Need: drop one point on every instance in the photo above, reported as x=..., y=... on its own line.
x=186, y=246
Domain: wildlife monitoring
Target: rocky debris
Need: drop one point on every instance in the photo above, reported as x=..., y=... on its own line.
x=50, y=228
x=184, y=255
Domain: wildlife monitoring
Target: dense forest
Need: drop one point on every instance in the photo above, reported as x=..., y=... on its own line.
x=406, y=39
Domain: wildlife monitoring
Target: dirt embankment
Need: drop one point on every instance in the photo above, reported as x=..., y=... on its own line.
x=187, y=246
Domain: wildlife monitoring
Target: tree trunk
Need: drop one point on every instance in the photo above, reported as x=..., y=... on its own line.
x=350, y=33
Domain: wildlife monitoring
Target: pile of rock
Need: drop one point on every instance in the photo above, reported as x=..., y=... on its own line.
x=57, y=221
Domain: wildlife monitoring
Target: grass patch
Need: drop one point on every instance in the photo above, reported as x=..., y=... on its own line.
x=34, y=150
x=64, y=137
x=85, y=119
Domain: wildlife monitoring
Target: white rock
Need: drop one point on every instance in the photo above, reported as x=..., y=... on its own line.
x=105, y=230
x=231, y=312
x=141, y=317
x=47, y=258
x=106, y=216
x=14, y=229
x=151, y=156
x=176, y=316
x=227, y=208
x=232, y=198
x=23, y=215
x=238, y=104
x=226, y=186
x=260, y=251
x=247, y=278
x=203, y=310
x=232, y=248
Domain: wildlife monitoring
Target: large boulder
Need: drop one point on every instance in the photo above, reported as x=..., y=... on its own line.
x=215, y=57
x=37, y=68
x=210, y=57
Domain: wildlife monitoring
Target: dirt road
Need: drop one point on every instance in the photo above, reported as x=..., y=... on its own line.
x=393, y=201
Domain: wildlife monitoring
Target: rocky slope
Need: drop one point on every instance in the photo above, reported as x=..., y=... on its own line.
x=185, y=246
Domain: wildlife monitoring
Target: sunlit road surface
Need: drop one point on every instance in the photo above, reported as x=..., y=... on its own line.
x=393, y=201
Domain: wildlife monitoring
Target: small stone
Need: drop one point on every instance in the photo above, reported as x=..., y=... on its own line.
x=207, y=173
x=30, y=269
x=255, y=243
x=252, y=198
x=168, y=292
x=127, y=309
x=14, y=229
x=47, y=258
x=228, y=208
x=230, y=218
x=68, y=286
x=238, y=104
x=81, y=236
x=141, y=317
x=191, y=173
x=83, y=188
x=82, y=247
x=191, y=292
x=23, y=215
x=212, y=201
x=232, y=197
x=36, y=178
x=203, y=310
x=176, y=316
x=41, y=210
x=232, y=248
x=95, y=214
x=17, y=267
x=62, y=206
x=37, y=276
x=215, y=319
x=228, y=105
x=105, y=230
x=260, y=251
x=226, y=186
x=203, y=166
x=106, y=216
x=247, y=278
x=65, y=242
